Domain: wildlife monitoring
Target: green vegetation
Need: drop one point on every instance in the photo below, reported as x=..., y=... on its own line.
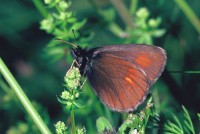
x=41, y=93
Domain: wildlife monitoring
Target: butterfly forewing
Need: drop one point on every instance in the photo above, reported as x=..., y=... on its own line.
x=151, y=59
x=122, y=74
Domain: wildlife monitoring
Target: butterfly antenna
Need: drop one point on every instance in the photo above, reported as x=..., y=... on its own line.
x=66, y=42
x=75, y=36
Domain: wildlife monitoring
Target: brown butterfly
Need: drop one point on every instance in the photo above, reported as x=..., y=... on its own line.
x=121, y=75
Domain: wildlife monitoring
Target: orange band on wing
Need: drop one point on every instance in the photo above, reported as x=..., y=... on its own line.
x=143, y=60
x=128, y=80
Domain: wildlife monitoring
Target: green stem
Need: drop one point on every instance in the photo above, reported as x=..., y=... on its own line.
x=23, y=99
x=133, y=6
x=146, y=121
x=185, y=72
x=156, y=101
x=189, y=13
x=123, y=12
x=39, y=5
x=191, y=72
x=116, y=30
x=73, y=130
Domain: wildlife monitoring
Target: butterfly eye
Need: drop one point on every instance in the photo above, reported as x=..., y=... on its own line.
x=76, y=53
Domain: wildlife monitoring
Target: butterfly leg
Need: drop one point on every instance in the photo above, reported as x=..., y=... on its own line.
x=83, y=83
x=74, y=62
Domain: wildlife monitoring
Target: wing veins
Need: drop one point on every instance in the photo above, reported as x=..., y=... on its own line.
x=137, y=82
x=131, y=78
x=111, y=86
x=124, y=90
x=124, y=73
x=133, y=74
x=109, y=98
x=150, y=70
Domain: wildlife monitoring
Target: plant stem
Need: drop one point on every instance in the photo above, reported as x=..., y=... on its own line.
x=156, y=101
x=23, y=99
x=39, y=5
x=133, y=6
x=123, y=12
x=116, y=30
x=185, y=72
x=189, y=13
x=73, y=130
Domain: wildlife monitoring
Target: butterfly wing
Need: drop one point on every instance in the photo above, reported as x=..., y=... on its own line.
x=122, y=74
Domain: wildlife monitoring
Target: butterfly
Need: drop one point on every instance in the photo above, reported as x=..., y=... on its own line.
x=121, y=75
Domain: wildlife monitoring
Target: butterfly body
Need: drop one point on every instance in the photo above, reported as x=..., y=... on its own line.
x=83, y=58
x=121, y=75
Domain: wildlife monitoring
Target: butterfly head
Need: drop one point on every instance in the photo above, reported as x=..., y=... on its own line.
x=78, y=52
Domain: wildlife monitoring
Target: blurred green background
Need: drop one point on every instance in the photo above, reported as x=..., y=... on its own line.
x=23, y=45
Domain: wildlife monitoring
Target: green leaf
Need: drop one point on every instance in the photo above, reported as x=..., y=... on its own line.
x=142, y=13
x=78, y=25
x=63, y=5
x=69, y=14
x=158, y=33
x=180, y=126
x=188, y=122
x=173, y=128
x=177, y=121
x=78, y=105
x=122, y=128
x=154, y=23
x=62, y=101
x=71, y=20
x=47, y=24
x=103, y=124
